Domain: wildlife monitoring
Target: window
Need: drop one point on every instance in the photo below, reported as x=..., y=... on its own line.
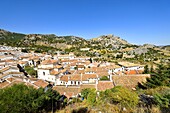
x=43, y=73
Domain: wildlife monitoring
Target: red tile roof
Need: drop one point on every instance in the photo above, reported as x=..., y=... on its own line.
x=50, y=61
x=88, y=76
x=69, y=91
x=4, y=84
x=76, y=77
x=131, y=72
x=64, y=78
x=41, y=83
x=103, y=85
x=54, y=72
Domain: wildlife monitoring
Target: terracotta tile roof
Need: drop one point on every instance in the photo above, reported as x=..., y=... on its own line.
x=64, y=70
x=33, y=79
x=54, y=72
x=127, y=64
x=64, y=78
x=103, y=85
x=88, y=76
x=73, y=64
x=76, y=77
x=26, y=56
x=73, y=60
x=15, y=82
x=112, y=67
x=3, y=75
x=119, y=73
x=4, y=84
x=67, y=91
x=131, y=72
x=32, y=85
x=50, y=61
x=22, y=62
x=129, y=81
x=71, y=71
x=65, y=60
x=80, y=72
x=11, y=79
x=100, y=74
x=58, y=66
x=90, y=70
x=34, y=58
x=4, y=69
x=41, y=83
x=80, y=66
x=140, y=71
x=9, y=61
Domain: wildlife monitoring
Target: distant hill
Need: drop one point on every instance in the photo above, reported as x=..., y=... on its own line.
x=167, y=47
x=6, y=36
x=110, y=39
x=18, y=39
x=49, y=41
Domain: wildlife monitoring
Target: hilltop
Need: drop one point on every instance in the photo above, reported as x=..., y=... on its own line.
x=103, y=48
x=50, y=39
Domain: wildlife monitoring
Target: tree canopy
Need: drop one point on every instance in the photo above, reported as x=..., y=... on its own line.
x=24, y=99
x=159, y=78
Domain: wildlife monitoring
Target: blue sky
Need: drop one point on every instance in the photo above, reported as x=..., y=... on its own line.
x=137, y=21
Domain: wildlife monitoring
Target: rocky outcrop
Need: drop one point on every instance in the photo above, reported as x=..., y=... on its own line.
x=139, y=51
x=110, y=39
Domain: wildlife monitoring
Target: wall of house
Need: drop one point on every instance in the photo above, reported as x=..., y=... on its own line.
x=58, y=82
x=118, y=69
x=43, y=74
x=51, y=78
x=132, y=68
x=89, y=72
x=85, y=82
x=80, y=68
x=73, y=82
x=92, y=80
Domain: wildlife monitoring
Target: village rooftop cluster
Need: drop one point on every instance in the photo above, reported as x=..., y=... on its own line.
x=66, y=73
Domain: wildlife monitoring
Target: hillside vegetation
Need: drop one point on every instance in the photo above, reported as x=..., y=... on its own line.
x=103, y=48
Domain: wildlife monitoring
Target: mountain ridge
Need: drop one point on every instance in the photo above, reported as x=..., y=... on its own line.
x=8, y=34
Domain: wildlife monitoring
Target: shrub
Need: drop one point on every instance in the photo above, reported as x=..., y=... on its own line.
x=85, y=92
x=91, y=98
x=104, y=78
x=122, y=96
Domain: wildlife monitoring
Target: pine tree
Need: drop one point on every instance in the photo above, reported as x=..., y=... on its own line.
x=160, y=78
x=146, y=69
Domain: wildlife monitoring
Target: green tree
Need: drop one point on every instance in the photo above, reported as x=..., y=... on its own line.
x=161, y=96
x=31, y=71
x=160, y=78
x=91, y=98
x=151, y=69
x=24, y=99
x=104, y=78
x=146, y=69
x=85, y=92
x=120, y=95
